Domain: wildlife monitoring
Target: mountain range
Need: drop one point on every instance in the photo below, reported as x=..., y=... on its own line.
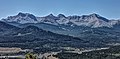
x=25, y=29
x=92, y=20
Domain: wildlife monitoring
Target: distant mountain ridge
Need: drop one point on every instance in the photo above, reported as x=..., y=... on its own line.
x=32, y=37
x=92, y=20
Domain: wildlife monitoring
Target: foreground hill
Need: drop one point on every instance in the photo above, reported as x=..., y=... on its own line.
x=33, y=37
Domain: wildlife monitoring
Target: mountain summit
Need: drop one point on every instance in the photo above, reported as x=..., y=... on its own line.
x=21, y=18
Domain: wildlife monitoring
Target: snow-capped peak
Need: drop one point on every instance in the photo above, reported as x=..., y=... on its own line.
x=92, y=20
x=27, y=15
x=99, y=17
x=21, y=18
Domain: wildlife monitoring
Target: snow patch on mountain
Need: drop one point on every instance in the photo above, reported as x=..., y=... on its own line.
x=19, y=34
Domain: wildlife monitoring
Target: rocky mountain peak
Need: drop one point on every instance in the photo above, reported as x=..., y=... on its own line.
x=51, y=16
x=21, y=14
x=94, y=15
x=61, y=16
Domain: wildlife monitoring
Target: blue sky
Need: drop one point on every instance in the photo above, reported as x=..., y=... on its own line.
x=107, y=8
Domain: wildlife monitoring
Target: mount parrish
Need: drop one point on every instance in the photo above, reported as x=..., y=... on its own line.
x=92, y=20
